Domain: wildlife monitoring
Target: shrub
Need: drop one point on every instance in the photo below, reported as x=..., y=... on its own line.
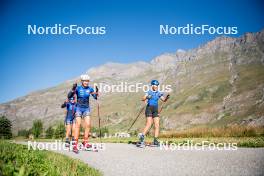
x=24, y=133
x=37, y=128
x=49, y=133
x=60, y=131
x=5, y=128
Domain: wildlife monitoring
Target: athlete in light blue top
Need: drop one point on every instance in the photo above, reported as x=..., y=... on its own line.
x=152, y=98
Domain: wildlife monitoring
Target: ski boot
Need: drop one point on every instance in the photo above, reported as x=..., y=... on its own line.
x=86, y=145
x=89, y=147
x=156, y=143
x=67, y=142
x=141, y=142
x=75, y=148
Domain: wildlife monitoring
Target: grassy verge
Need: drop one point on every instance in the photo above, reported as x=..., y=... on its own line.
x=16, y=159
x=226, y=131
x=243, y=136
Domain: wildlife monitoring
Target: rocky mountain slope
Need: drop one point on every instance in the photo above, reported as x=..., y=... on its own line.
x=217, y=84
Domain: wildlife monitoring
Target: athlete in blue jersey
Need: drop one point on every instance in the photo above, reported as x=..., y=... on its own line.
x=151, y=99
x=70, y=106
x=83, y=93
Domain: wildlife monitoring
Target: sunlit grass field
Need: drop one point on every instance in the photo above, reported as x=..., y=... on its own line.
x=16, y=159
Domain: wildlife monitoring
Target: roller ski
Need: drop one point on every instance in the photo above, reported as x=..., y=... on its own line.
x=145, y=144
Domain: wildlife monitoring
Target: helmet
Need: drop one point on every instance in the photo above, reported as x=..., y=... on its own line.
x=85, y=77
x=154, y=82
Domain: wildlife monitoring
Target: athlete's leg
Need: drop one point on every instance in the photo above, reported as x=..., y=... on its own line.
x=156, y=127
x=77, y=124
x=68, y=130
x=72, y=129
x=149, y=121
x=67, y=134
x=87, y=124
x=87, y=127
x=78, y=121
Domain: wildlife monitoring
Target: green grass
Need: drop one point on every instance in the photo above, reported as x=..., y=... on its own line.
x=225, y=131
x=16, y=159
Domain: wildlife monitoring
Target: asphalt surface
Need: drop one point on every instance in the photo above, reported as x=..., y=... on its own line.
x=128, y=160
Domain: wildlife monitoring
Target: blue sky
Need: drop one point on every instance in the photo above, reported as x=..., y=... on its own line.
x=30, y=62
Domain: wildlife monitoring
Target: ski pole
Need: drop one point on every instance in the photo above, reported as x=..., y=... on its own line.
x=99, y=121
x=98, y=114
x=141, y=110
x=161, y=107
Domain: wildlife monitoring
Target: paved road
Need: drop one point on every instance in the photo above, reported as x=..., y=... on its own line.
x=128, y=160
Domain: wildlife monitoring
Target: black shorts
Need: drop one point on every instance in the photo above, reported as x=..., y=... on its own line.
x=152, y=111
